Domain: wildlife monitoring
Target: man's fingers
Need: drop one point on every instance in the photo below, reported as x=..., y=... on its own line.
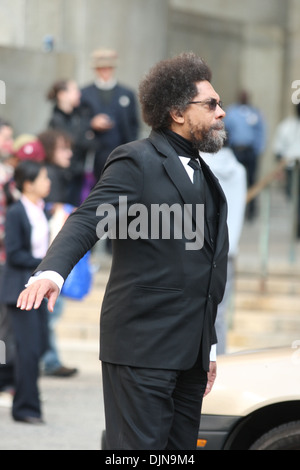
x=21, y=301
x=38, y=298
x=34, y=294
x=211, y=377
x=52, y=299
x=29, y=298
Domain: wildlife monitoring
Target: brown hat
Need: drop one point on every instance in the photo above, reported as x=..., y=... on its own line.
x=104, y=58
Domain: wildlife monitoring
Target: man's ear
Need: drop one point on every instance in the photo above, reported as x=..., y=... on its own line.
x=177, y=116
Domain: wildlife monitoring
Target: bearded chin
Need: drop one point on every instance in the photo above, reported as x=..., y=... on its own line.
x=211, y=142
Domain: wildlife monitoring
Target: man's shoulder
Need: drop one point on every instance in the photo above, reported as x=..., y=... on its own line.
x=136, y=152
x=135, y=147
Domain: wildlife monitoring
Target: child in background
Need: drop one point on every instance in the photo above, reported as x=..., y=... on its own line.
x=26, y=241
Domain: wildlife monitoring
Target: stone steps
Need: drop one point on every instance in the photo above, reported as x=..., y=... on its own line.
x=268, y=317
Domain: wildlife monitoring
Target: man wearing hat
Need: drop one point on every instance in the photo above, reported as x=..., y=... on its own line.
x=113, y=107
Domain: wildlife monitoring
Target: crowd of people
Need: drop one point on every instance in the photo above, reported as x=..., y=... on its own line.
x=41, y=177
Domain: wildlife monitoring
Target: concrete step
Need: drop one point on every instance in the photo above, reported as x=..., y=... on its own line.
x=273, y=303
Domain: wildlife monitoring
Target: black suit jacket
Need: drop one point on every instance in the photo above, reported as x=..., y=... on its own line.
x=161, y=299
x=19, y=259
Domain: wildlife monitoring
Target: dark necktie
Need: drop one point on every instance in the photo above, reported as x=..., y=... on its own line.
x=198, y=177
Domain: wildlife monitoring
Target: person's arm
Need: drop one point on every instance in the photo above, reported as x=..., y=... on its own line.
x=122, y=177
x=260, y=141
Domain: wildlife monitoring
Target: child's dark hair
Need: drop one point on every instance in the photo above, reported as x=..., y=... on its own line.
x=26, y=171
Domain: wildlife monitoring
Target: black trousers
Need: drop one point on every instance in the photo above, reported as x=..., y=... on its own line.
x=31, y=338
x=148, y=409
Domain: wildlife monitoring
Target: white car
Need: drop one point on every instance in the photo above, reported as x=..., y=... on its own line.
x=255, y=402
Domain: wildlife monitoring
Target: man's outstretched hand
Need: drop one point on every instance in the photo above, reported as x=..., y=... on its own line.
x=34, y=294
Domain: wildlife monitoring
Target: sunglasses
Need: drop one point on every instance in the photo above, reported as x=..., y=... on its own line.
x=212, y=103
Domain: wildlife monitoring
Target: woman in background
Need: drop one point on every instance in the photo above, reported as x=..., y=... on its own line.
x=71, y=117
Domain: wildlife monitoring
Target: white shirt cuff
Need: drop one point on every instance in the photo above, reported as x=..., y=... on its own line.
x=213, y=353
x=50, y=275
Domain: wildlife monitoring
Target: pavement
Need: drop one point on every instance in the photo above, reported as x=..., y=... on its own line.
x=73, y=407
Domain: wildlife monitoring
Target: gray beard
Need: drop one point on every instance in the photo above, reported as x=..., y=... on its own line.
x=211, y=141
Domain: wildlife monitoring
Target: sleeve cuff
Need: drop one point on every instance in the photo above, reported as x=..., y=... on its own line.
x=213, y=353
x=50, y=275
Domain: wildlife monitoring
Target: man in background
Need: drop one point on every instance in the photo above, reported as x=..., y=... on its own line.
x=113, y=108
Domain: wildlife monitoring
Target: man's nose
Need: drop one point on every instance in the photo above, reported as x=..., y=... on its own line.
x=220, y=113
